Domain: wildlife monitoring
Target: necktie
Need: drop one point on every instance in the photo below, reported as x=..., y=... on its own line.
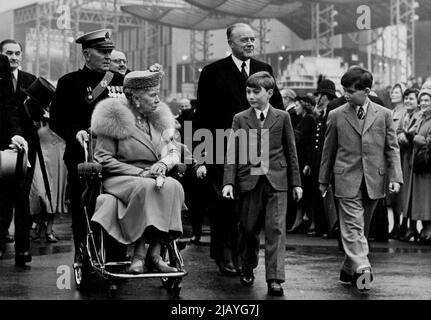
x=361, y=113
x=243, y=72
x=262, y=117
x=14, y=82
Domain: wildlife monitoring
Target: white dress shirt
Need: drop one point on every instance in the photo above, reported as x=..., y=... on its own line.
x=239, y=62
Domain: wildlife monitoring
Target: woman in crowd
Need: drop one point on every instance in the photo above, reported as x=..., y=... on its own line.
x=418, y=204
x=405, y=132
x=136, y=148
x=394, y=200
x=304, y=132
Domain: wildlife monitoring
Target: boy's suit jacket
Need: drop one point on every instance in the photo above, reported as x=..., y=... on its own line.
x=283, y=168
x=354, y=156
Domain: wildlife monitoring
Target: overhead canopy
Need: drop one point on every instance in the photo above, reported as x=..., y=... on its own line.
x=218, y=14
x=186, y=17
x=257, y=9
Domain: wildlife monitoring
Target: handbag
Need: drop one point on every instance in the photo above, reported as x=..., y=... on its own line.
x=421, y=160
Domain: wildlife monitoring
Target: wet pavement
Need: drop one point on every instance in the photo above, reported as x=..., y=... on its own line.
x=402, y=271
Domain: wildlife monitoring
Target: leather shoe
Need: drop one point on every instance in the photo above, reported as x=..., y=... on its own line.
x=247, y=278
x=275, y=288
x=228, y=269
x=195, y=240
x=137, y=266
x=362, y=285
x=157, y=264
x=346, y=277
x=22, y=258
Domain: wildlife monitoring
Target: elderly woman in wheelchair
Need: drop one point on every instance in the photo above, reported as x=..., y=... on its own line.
x=136, y=148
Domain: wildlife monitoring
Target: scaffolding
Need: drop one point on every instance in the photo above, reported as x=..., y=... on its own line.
x=322, y=29
x=402, y=13
x=39, y=23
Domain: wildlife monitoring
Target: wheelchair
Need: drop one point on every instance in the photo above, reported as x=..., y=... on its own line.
x=91, y=256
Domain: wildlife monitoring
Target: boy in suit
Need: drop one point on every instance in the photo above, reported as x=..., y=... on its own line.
x=262, y=182
x=361, y=150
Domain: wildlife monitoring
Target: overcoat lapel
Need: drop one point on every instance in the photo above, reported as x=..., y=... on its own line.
x=271, y=118
x=142, y=138
x=350, y=115
x=370, y=117
x=252, y=120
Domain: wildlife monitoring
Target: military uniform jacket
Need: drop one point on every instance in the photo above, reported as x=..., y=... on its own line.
x=70, y=113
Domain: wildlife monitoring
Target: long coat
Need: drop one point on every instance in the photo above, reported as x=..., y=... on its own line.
x=125, y=151
x=418, y=204
x=406, y=123
x=353, y=156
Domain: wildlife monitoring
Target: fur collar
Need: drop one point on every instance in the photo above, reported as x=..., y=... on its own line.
x=113, y=118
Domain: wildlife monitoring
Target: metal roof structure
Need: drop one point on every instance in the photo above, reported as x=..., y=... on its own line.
x=218, y=14
x=179, y=14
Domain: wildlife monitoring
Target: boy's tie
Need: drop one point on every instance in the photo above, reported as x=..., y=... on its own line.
x=361, y=113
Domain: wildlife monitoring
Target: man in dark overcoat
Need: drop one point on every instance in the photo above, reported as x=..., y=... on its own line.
x=221, y=94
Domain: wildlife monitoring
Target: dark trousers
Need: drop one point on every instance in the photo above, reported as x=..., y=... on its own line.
x=15, y=193
x=196, y=199
x=76, y=188
x=379, y=228
x=263, y=206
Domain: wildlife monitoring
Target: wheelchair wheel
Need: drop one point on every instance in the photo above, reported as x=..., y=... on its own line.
x=170, y=254
x=81, y=269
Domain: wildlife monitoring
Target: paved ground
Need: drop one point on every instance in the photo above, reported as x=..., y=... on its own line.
x=402, y=271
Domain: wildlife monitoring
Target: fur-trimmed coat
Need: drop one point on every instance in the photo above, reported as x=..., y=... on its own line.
x=132, y=203
x=124, y=149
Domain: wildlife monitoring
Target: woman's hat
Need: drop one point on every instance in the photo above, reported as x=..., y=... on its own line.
x=41, y=90
x=424, y=91
x=144, y=79
x=326, y=86
x=307, y=99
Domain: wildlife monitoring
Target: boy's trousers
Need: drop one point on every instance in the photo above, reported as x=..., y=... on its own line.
x=263, y=205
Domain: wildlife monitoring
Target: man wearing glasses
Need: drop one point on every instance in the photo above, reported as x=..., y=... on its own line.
x=119, y=62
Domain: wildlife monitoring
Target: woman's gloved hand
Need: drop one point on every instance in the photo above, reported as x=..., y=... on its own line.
x=159, y=168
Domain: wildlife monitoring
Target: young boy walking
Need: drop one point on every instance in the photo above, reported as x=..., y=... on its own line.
x=261, y=173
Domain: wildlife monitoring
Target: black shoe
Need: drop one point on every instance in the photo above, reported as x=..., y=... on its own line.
x=247, y=278
x=395, y=233
x=195, y=240
x=363, y=285
x=22, y=258
x=345, y=277
x=275, y=288
x=410, y=233
x=228, y=269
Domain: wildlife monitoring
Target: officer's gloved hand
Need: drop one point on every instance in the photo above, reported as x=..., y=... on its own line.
x=82, y=137
x=19, y=143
